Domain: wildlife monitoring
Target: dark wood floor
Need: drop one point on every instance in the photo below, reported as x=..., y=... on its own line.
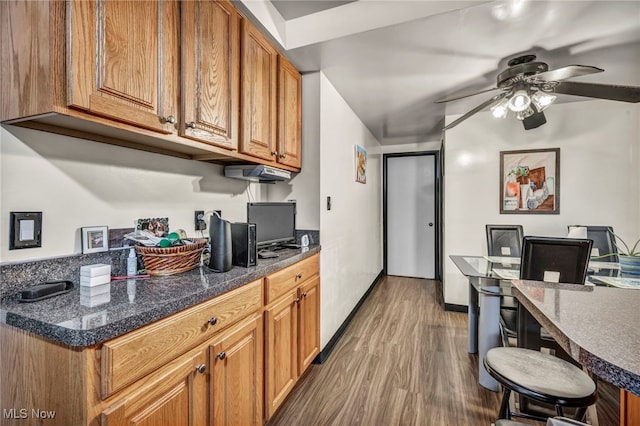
x=402, y=361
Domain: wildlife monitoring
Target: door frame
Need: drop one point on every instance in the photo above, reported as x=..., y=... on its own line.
x=437, y=204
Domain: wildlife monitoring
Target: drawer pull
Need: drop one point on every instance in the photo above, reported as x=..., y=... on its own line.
x=213, y=321
x=222, y=355
x=298, y=276
x=201, y=368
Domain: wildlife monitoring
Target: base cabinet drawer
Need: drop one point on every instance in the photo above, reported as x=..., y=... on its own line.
x=279, y=283
x=134, y=355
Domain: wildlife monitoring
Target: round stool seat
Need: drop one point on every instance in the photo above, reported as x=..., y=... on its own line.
x=541, y=376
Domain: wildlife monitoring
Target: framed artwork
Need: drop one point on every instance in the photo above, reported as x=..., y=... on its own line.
x=530, y=181
x=95, y=239
x=361, y=164
x=159, y=226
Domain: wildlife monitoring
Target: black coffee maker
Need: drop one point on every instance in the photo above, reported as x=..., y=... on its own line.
x=220, y=237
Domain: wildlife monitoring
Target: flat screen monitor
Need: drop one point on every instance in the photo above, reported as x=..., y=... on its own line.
x=275, y=222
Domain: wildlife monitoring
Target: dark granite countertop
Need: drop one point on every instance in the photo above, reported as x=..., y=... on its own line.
x=134, y=303
x=597, y=326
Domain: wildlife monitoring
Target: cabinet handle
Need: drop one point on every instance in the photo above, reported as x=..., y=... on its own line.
x=191, y=125
x=169, y=119
x=304, y=294
x=275, y=153
x=213, y=321
x=222, y=355
x=297, y=300
x=201, y=368
x=298, y=276
x=282, y=155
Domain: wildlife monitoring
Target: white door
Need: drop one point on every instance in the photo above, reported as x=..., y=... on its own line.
x=411, y=214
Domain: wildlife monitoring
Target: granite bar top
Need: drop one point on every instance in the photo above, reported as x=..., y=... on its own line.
x=134, y=303
x=598, y=326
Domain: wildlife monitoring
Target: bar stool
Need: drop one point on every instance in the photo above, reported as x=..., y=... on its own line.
x=541, y=377
x=555, y=421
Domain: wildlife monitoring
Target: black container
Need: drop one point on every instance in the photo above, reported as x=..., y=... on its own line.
x=245, y=252
x=220, y=234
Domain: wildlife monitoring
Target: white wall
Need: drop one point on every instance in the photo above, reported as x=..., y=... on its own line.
x=599, y=177
x=411, y=147
x=78, y=183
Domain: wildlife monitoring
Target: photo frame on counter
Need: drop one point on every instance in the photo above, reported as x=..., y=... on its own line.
x=95, y=239
x=530, y=181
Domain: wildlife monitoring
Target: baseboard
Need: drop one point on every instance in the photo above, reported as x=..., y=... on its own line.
x=456, y=308
x=324, y=353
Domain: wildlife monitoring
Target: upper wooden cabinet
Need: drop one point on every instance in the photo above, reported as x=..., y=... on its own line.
x=259, y=68
x=193, y=79
x=289, y=113
x=121, y=61
x=210, y=50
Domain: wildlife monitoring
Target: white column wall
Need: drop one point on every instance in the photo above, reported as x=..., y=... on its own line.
x=599, y=177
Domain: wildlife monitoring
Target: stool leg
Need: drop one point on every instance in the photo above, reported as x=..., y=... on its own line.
x=505, y=412
x=580, y=412
x=559, y=411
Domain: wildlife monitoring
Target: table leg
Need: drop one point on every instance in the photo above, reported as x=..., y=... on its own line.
x=488, y=333
x=473, y=319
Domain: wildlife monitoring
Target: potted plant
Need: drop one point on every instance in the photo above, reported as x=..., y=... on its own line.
x=629, y=257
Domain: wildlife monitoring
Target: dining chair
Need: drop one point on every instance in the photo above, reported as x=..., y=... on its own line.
x=562, y=260
x=603, y=242
x=505, y=240
x=534, y=375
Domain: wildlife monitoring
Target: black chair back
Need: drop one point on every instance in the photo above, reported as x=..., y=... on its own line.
x=504, y=238
x=568, y=257
x=603, y=240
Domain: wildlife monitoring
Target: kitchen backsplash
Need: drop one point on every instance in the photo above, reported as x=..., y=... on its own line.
x=16, y=277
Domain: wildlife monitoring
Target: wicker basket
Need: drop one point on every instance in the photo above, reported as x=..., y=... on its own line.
x=172, y=260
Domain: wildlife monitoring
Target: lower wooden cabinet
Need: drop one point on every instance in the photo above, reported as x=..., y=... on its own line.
x=174, y=395
x=292, y=328
x=237, y=375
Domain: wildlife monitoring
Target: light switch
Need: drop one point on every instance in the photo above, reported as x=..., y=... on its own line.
x=25, y=230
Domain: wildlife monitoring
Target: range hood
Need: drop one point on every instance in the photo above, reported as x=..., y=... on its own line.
x=257, y=173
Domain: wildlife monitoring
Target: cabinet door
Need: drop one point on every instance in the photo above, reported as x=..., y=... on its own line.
x=259, y=67
x=121, y=62
x=237, y=381
x=289, y=113
x=174, y=395
x=309, y=323
x=210, y=92
x=281, y=350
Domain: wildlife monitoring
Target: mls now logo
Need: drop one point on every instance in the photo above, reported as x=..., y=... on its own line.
x=23, y=413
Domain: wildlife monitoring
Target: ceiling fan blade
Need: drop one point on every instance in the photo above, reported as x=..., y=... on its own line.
x=612, y=92
x=470, y=94
x=479, y=108
x=564, y=73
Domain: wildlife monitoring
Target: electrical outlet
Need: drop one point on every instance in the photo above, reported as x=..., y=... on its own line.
x=200, y=223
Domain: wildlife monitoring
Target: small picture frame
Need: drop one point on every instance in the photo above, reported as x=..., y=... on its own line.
x=95, y=239
x=360, y=155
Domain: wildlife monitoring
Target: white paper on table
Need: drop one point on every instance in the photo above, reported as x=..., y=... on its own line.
x=603, y=265
x=507, y=274
x=619, y=282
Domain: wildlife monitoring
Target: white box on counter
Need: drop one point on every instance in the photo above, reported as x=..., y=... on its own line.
x=92, y=281
x=95, y=270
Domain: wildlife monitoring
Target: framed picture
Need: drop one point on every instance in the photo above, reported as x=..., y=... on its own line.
x=95, y=239
x=159, y=226
x=361, y=164
x=530, y=181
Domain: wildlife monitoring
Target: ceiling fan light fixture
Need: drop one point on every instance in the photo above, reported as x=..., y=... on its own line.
x=542, y=100
x=520, y=100
x=501, y=109
x=521, y=115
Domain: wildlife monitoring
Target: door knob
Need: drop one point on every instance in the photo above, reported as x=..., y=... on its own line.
x=430, y=223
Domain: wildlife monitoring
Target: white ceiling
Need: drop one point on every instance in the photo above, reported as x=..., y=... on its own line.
x=391, y=60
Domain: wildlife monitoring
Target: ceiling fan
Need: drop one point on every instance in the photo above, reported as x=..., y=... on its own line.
x=528, y=87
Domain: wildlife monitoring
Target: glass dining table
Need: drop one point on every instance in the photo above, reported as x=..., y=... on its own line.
x=489, y=278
